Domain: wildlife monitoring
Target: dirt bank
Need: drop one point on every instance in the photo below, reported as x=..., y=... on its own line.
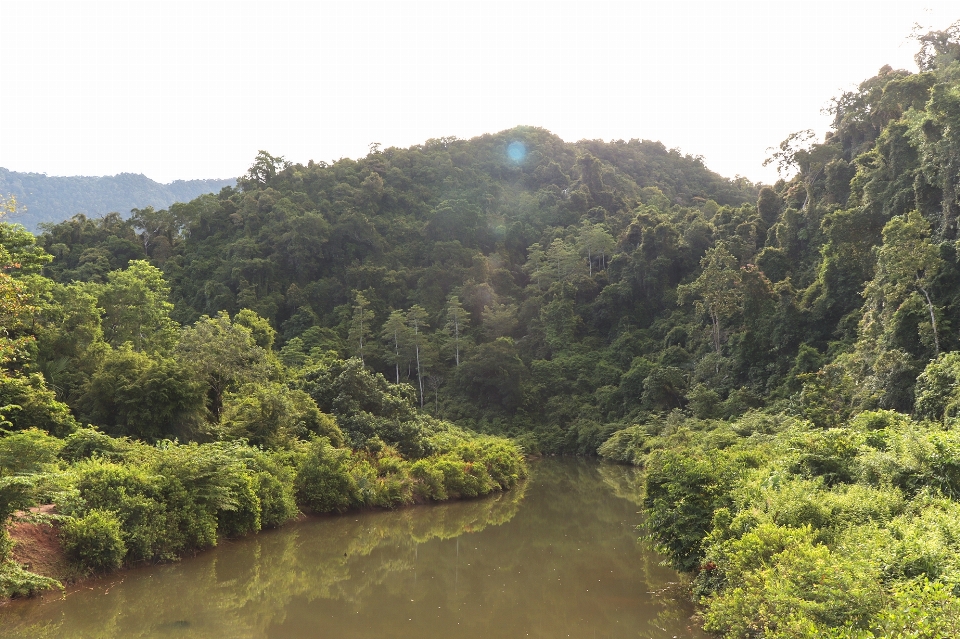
x=37, y=544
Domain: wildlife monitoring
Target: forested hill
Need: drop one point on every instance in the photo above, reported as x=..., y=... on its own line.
x=783, y=362
x=521, y=273
x=559, y=290
x=52, y=199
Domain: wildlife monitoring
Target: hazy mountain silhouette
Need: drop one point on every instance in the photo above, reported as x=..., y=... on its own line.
x=55, y=198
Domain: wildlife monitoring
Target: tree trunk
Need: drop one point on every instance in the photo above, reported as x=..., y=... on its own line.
x=456, y=338
x=396, y=352
x=716, y=339
x=933, y=322
x=419, y=377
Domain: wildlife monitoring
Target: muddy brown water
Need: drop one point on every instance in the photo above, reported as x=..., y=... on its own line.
x=556, y=557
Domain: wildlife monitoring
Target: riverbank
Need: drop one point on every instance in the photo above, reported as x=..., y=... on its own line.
x=555, y=555
x=37, y=547
x=788, y=529
x=138, y=504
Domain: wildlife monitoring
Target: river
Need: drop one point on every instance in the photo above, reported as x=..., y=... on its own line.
x=556, y=557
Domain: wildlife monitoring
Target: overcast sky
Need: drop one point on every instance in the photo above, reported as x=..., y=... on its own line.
x=193, y=90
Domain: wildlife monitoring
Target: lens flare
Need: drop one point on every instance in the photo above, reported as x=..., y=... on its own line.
x=517, y=151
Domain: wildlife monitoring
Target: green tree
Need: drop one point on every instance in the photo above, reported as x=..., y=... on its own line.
x=596, y=242
x=365, y=404
x=225, y=355
x=499, y=320
x=937, y=46
x=148, y=398
x=395, y=334
x=27, y=402
x=938, y=388
x=494, y=376
x=457, y=318
x=361, y=324
x=136, y=309
x=417, y=321
x=8, y=206
x=70, y=344
x=907, y=263
x=263, y=171
x=536, y=265
x=19, y=251
x=274, y=416
x=716, y=291
x=159, y=231
x=562, y=260
x=16, y=311
x=260, y=329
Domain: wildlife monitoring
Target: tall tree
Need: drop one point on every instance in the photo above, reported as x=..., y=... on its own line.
x=717, y=290
x=225, y=355
x=596, y=242
x=361, y=326
x=417, y=320
x=457, y=318
x=395, y=334
x=907, y=262
x=536, y=264
x=137, y=310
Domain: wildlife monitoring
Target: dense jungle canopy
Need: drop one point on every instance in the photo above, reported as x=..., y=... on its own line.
x=783, y=360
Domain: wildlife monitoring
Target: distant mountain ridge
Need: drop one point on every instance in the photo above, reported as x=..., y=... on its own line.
x=55, y=198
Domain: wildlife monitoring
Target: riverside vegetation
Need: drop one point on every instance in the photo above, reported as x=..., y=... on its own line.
x=782, y=360
x=202, y=431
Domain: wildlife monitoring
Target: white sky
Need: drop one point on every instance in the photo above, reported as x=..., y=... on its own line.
x=192, y=90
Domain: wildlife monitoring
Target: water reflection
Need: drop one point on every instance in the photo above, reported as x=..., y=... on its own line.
x=555, y=557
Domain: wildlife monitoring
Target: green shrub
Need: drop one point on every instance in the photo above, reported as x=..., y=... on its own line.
x=324, y=482
x=172, y=499
x=244, y=514
x=364, y=478
x=132, y=495
x=625, y=446
x=94, y=541
x=393, y=490
x=27, y=451
x=793, y=532
x=791, y=588
x=277, y=502
x=457, y=482
x=274, y=478
x=87, y=442
x=920, y=609
x=430, y=484
x=30, y=404
x=829, y=454
x=16, y=493
x=6, y=544
x=798, y=502
x=273, y=415
x=503, y=461
x=683, y=490
x=937, y=394
x=17, y=582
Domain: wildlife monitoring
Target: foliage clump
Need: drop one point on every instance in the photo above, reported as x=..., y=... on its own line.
x=796, y=530
x=194, y=433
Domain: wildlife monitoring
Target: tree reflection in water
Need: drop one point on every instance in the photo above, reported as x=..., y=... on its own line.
x=556, y=556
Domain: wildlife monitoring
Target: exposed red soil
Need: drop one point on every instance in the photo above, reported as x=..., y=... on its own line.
x=37, y=544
